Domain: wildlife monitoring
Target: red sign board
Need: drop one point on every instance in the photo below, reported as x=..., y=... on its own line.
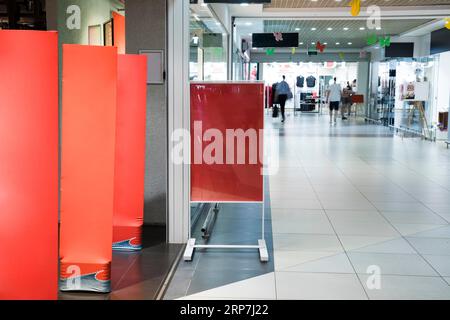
x=227, y=120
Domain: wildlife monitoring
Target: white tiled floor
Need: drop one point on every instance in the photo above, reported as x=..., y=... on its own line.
x=350, y=197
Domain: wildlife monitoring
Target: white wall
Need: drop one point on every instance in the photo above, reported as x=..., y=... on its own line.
x=443, y=82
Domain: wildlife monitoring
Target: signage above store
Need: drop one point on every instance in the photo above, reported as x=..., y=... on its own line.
x=275, y=40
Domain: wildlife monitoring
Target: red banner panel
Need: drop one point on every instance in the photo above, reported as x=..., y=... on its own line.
x=28, y=165
x=227, y=142
x=119, y=32
x=87, y=167
x=130, y=152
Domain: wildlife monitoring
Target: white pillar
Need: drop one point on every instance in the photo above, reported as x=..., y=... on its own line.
x=178, y=117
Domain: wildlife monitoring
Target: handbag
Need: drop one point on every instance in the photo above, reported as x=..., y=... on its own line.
x=290, y=95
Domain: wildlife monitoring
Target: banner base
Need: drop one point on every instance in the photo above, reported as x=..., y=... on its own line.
x=85, y=277
x=127, y=238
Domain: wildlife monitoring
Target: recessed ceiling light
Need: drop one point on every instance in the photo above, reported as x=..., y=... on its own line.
x=338, y=43
x=325, y=43
x=244, y=4
x=297, y=29
x=362, y=28
x=345, y=28
x=378, y=28
x=313, y=29
x=349, y=43
x=248, y=23
x=300, y=43
x=313, y=43
x=329, y=29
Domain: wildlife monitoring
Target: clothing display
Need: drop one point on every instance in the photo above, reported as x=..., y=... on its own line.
x=311, y=82
x=300, y=81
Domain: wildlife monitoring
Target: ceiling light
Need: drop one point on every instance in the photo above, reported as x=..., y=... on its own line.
x=362, y=28
x=244, y=4
x=337, y=43
x=313, y=43
x=248, y=23
x=297, y=29
x=204, y=4
x=313, y=29
x=329, y=29
x=325, y=43
x=345, y=28
x=349, y=43
x=300, y=43
x=378, y=28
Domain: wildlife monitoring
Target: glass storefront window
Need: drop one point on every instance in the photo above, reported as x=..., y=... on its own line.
x=208, y=46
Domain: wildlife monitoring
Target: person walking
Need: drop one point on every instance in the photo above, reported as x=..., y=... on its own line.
x=283, y=94
x=334, y=99
x=346, y=101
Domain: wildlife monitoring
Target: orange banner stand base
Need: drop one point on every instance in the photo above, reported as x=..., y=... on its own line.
x=127, y=238
x=85, y=277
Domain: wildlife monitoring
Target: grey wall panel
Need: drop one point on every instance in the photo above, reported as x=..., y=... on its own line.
x=146, y=29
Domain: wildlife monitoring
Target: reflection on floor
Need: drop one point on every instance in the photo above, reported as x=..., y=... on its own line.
x=350, y=202
x=236, y=224
x=138, y=276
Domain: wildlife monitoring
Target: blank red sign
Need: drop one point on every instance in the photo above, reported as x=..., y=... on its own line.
x=28, y=165
x=216, y=108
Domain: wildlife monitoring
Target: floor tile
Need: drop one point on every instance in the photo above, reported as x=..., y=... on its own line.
x=307, y=242
x=354, y=228
x=261, y=287
x=433, y=246
x=323, y=286
x=408, y=288
x=335, y=263
x=376, y=244
x=302, y=223
x=413, y=217
x=440, y=263
x=391, y=264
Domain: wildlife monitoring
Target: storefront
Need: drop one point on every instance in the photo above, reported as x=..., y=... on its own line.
x=411, y=95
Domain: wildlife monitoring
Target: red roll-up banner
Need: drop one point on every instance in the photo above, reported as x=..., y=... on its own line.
x=119, y=32
x=87, y=167
x=130, y=152
x=227, y=142
x=28, y=165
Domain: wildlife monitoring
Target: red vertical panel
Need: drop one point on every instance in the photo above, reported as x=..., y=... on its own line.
x=130, y=152
x=87, y=169
x=222, y=106
x=28, y=165
x=119, y=32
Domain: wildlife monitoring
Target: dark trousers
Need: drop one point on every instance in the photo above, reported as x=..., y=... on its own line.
x=282, y=98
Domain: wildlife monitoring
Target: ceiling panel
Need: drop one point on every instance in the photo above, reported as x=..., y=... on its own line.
x=354, y=34
x=342, y=3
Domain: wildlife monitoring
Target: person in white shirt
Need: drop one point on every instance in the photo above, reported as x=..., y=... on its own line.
x=334, y=95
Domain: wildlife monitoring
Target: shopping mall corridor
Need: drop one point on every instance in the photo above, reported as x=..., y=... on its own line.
x=351, y=201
